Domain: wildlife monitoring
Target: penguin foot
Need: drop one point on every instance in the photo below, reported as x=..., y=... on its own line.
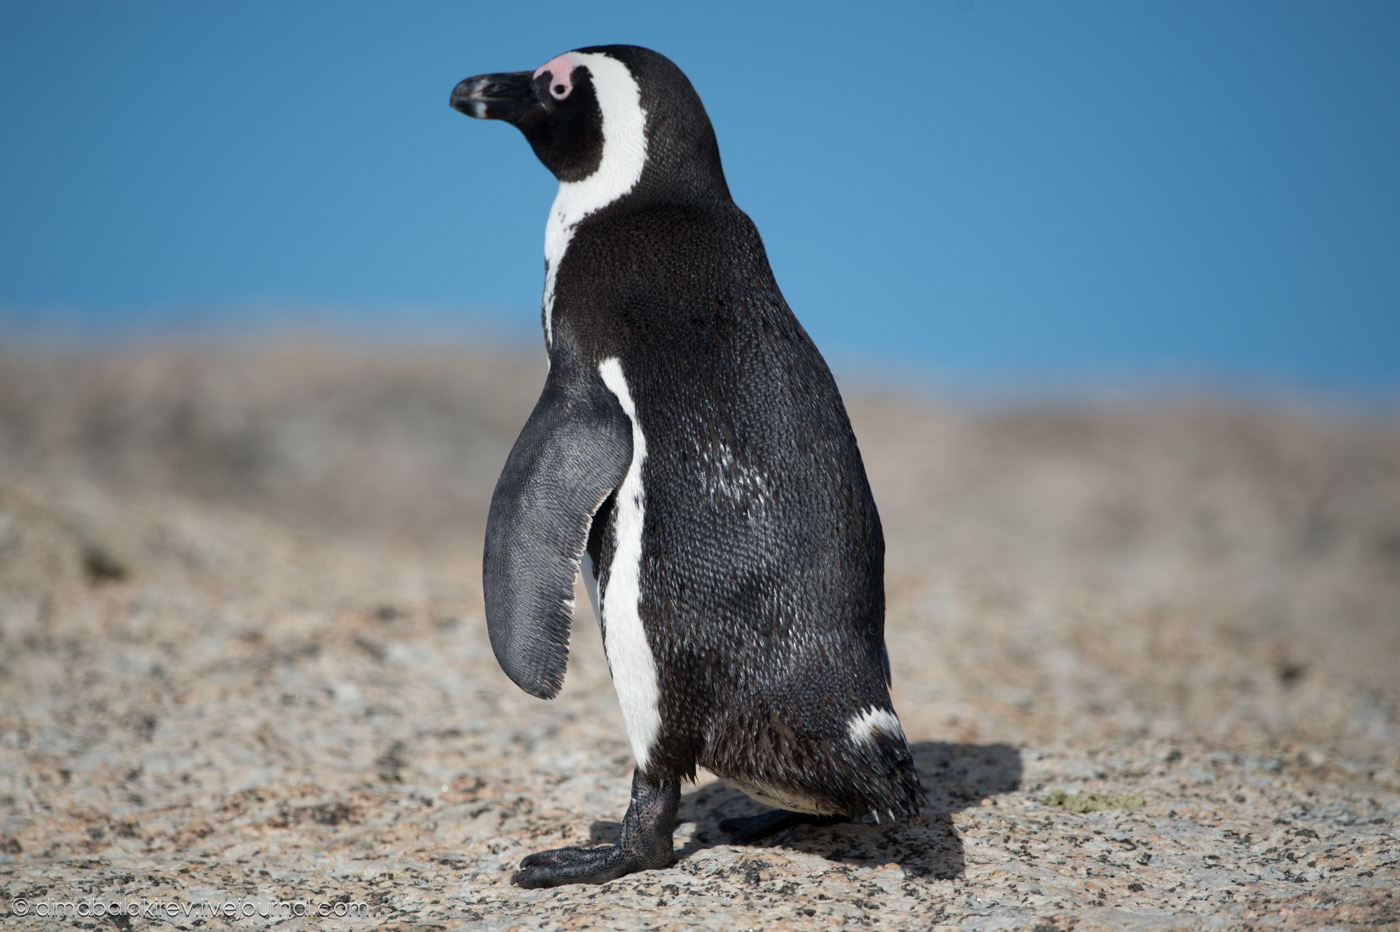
x=744, y=830
x=576, y=865
x=645, y=843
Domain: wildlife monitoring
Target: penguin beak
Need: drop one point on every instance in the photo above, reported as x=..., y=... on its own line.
x=496, y=96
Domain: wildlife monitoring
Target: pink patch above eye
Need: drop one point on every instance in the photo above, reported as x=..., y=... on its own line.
x=561, y=70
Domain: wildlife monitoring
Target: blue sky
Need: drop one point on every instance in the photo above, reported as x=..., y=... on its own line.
x=994, y=191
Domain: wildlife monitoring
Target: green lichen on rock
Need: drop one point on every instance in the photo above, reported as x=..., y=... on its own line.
x=1094, y=802
x=101, y=564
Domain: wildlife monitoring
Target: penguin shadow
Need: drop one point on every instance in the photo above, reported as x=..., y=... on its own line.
x=955, y=777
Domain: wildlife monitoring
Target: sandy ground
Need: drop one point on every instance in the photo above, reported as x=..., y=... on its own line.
x=243, y=663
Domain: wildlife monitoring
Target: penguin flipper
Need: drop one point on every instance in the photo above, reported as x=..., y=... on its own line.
x=571, y=454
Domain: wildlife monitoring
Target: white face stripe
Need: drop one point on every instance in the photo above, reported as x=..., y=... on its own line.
x=630, y=658
x=624, y=155
x=863, y=725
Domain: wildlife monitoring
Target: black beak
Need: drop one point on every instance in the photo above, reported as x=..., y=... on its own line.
x=496, y=96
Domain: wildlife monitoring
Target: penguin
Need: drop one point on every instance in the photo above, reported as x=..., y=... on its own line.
x=691, y=458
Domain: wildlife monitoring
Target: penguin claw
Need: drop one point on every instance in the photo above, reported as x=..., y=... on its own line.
x=557, y=856
x=578, y=865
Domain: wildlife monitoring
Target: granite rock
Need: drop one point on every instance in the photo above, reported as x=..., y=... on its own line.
x=244, y=670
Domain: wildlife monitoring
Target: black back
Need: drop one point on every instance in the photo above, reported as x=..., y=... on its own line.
x=763, y=554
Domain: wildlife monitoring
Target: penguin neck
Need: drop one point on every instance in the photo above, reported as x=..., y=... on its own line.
x=576, y=201
x=624, y=153
x=619, y=170
x=629, y=172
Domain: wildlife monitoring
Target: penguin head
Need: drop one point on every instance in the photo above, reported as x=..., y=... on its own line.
x=614, y=115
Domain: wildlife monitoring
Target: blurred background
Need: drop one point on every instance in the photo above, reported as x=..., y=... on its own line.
x=980, y=195
x=1113, y=294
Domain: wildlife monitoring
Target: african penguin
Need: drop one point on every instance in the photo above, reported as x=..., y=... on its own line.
x=691, y=456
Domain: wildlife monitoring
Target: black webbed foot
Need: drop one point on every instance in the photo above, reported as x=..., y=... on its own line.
x=645, y=843
x=744, y=830
x=575, y=865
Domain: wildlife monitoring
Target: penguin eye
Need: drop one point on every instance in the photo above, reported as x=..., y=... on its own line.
x=560, y=90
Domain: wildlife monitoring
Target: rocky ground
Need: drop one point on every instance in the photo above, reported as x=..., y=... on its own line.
x=1146, y=653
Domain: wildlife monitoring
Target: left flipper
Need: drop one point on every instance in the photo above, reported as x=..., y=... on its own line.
x=572, y=453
